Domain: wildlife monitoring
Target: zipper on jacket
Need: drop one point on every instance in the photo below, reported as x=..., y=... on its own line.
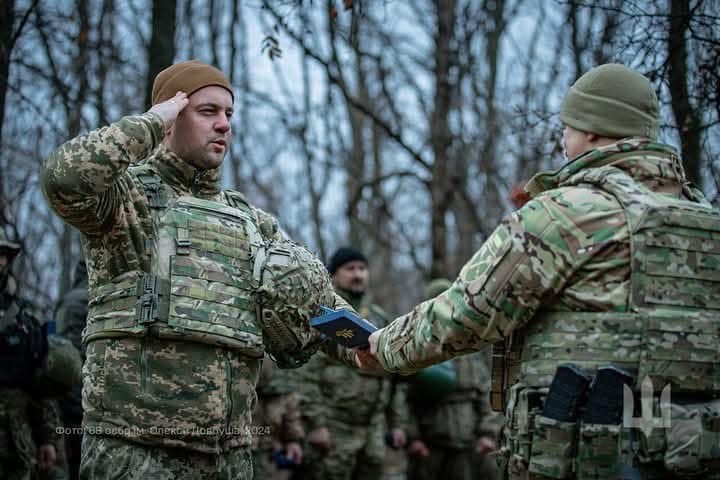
x=196, y=181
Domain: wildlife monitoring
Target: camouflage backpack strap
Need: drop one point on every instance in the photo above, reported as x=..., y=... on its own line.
x=157, y=201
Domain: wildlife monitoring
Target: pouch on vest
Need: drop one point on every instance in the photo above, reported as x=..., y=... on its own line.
x=599, y=454
x=553, y=447
x=693, y=439
x=598, y=451
x=554, y=442
x=524, y=404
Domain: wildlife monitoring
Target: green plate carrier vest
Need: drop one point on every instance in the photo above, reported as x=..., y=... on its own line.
x=201, y=277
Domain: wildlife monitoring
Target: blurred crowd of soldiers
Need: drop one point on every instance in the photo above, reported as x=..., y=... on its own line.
x=605, y=280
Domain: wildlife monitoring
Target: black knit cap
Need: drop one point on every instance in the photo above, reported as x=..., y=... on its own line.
x=342, y=256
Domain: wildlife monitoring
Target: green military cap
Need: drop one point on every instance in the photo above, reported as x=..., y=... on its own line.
x=613, y=101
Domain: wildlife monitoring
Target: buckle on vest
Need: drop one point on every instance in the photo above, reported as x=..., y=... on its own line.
x=148, y=299
x=153, y=193
x=182, y=242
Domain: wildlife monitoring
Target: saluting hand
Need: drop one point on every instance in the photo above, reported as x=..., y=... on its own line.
x=169, y=109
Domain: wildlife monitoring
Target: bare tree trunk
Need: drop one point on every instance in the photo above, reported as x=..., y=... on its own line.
x=441, y=193
x=355, y=159
x=162, y=42
x=7, y=20
x=316, y=193
x=7, y=17
x=686, y=117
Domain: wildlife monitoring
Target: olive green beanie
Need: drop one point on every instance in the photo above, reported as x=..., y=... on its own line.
x=613, y=101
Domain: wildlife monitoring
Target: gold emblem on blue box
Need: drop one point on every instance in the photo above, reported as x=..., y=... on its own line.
x=345, y=333
x=344, y=327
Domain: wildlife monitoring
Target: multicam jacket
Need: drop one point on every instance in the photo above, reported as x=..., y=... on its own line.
x=569, y=250
x=173, y=342
x=614, y=261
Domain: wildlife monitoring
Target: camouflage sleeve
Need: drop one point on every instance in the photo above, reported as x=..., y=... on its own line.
x=412, y=432
x=486, y=423
x=81, y=178
x=312, y=404
x=399, y=415
x=70, y=319
x=528, y=258
x=292, y=427
x=49, y=421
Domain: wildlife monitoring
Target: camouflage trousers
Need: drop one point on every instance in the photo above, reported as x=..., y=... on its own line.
x=109, y=458
x=357, y=453
x=452, y=464
x=395, y=465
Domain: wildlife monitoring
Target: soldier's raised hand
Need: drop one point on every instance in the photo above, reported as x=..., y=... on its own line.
x=169, y=109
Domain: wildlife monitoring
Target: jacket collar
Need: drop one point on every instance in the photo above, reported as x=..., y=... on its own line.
x=182, y=176
x=656, y=165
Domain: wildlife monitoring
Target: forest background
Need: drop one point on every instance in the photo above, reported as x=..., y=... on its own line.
x=396, y=126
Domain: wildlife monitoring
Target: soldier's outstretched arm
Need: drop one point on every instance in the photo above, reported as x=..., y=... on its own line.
x=83, y=178
x=527, y=259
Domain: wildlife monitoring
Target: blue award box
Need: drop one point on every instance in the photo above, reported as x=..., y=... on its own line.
x=344, y=327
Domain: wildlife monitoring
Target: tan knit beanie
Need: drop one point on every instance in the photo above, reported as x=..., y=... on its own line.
x=188, y=77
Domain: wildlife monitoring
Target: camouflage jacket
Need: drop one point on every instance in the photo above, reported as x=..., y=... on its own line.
x=330, y=390
x=568, y=249
x=131, y=385
x=461, y=417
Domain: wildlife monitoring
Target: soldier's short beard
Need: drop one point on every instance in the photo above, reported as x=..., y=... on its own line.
x=359, y=291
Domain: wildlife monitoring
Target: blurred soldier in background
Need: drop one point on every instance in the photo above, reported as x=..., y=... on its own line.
x=453, y=426
x=71, y=311
x=70, y=315
x=349, y=415
x=35, y=370
x=277, y=425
